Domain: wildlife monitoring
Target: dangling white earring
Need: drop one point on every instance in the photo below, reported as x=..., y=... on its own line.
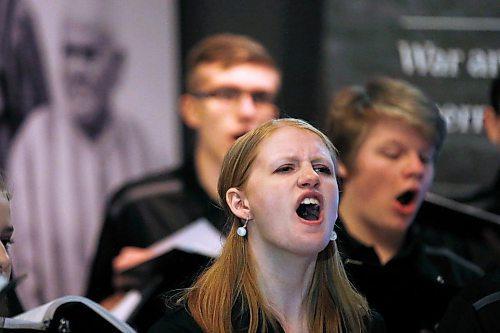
x=333, y=236
x=242, y=231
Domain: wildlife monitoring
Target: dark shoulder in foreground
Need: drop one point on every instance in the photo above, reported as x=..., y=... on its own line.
x=454, y=268
x=155, y=184
x=476, y=308
x=179, y=320
x=176, y=320
x=376, y=324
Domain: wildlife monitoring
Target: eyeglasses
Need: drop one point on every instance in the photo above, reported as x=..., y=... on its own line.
x=88, y=53
x=234, y=95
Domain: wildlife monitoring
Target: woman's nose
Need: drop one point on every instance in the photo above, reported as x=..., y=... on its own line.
x=309, y=178
x=414, y=166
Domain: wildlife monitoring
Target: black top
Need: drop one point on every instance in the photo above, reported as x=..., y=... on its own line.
x=143, y=212
x=179, y=320
x=495, y=206
x=412, y=290
x=487, y=198
x=176, y=321
x=9, y=303
x=475, y=309
x=460, y=227
x=495, y=194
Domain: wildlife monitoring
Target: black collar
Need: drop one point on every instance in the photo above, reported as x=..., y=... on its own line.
x=352, y=250
x=212, y=210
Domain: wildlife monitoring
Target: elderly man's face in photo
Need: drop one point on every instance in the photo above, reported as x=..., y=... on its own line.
x=90, y=66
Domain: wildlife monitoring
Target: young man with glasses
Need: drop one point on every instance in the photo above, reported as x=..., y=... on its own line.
x=231, y=85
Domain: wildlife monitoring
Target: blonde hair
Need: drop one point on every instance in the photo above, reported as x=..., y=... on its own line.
x=354, y=110
x=228, y=290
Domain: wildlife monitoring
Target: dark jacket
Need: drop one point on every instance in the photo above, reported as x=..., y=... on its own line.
x=9, y=302
x=412, y=290
x=180, y=321
x=145, y=211
x=466, y=230
x=476, y=308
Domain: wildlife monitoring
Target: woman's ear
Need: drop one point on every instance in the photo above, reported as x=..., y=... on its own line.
x=238, y=203
x=491, y=123
x=342, y=170
x=189, y=111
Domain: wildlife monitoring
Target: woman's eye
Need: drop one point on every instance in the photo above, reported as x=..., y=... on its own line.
x=323, y=169
x=284, y=168
x=392, y=154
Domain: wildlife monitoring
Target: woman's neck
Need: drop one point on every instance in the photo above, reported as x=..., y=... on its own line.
x=284, y=281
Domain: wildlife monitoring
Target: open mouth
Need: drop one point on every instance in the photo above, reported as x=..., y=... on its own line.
x=406, y=197
x=309, y=209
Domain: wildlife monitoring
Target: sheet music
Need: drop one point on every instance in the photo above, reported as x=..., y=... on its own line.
x=38, y=316
x=127, y=305
x=199, y=236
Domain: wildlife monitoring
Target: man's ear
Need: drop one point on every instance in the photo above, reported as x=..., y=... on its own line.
x=189, y=110
x=491, y=125
x=238, y=203
x=342, y=169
